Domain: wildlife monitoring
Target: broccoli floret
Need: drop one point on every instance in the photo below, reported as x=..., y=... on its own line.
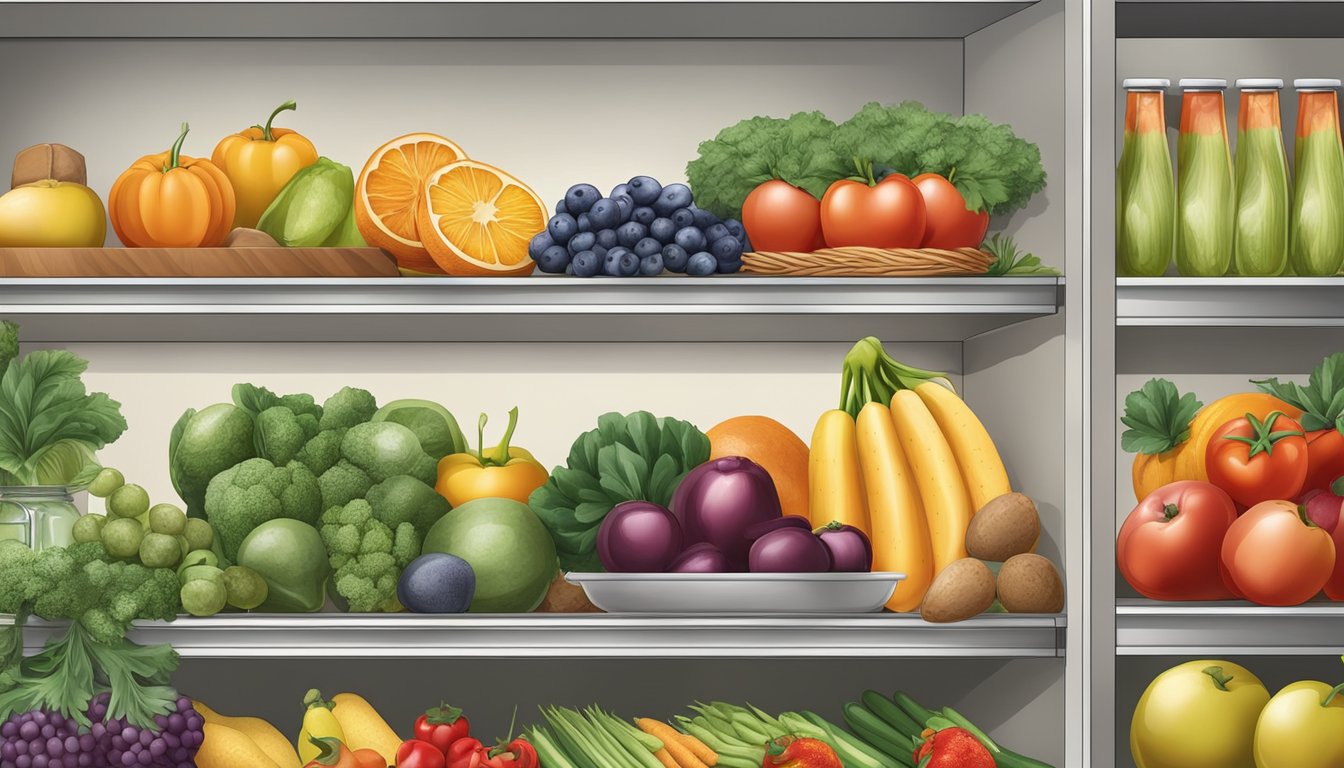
x=281, y=433
x=403, y=499
x=347, y=408
x=255, y=491
x=342, y=484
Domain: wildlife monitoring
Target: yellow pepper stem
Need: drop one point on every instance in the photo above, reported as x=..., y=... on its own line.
x=500, y=455
x=266, y=131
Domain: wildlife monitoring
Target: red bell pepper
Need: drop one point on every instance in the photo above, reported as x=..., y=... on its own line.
x=466, y=752
x=515, y=754
x=952, y=748
x=414, y=753
x=794, y=752
x=441, y=726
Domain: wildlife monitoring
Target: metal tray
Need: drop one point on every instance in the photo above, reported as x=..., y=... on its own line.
x=738, y=592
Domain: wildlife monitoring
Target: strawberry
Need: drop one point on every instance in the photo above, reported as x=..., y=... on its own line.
x=952, y=748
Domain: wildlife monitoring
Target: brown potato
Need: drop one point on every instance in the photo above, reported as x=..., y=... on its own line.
x=242, y=237
x=1007, y=525
x=963, y=589
x=564, y=597
x=48, y=161
x=1030, y=584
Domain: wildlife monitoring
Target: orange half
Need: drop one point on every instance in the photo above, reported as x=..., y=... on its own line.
x=389, y=194
x=477, y=220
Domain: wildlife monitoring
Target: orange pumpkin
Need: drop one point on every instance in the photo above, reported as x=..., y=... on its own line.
x=170, y=200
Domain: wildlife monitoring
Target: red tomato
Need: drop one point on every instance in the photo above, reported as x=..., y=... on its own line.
x=441, y=726
x=1277, y=556
x=415, y=753
x=1325, y=458
x=1326, y=510
x=1170, y=547
x=781, y=217
x=1256, y=460
x=466, y=752
x=950, y=224
x=889, y=214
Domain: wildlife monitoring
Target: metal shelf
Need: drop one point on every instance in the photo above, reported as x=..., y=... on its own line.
x=1228, y=18
x=341, y=19
x=594, y=636
x=1230, y=301
x=523, y=309
x=1149, y=628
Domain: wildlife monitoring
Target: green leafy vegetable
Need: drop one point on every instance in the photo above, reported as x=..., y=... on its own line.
x=629, y=457
x=1158, y=417
x=1321, y=401
x=49, y=425
x=1009, y=260
x=9, y=344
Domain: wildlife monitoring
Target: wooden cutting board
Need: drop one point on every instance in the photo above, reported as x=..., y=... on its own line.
x=196, y=262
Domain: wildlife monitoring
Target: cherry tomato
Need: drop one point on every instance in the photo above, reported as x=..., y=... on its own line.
x=949, y=223
x=414, y=753
x=1256, y=460
x=441, y=726
x=1170, y=547
x=466, y=752
x=1276, y=555
x=889, y=214
x=781, y=217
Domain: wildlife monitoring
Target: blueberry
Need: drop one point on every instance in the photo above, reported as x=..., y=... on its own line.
x=675, y=257
x=560, y=207
x=584, y=241
x=626, y=205
x=629, y=265
x=643, y=214
x=619, y=190
x=553, y=260
x=735, y=228
x=726, y=248
x=562, y=226
x=662, y=230
x=644, y=189
x=600, y=251
x=704, y=219
x=585, y=223
x=672, y=197
x=729, y=267
x=651, y=265
x=746, y=242
x=701, y=264
x=715, y=231
x=648, y=247
x=604, y=214
x=630, y=233
x=539, y=242
x=611, y=263
x=586, y=264
x=580, y=198
x=607, y=238
x=691, y=239
x=683, y=218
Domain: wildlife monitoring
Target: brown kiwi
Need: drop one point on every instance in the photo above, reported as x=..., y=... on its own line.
x=963, y=589
x=1007, y=525
x=1030, y=584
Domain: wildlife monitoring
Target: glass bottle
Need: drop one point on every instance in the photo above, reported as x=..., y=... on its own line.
x=1261, y=245
x=1206, y=198
x=39, y=516
x=1316, y=229
x=1145, y=195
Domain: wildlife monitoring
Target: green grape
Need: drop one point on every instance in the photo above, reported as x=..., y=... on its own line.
x=159, y=550
x=246, y=589
x=105, y=482
x=167, y=518
x=122, y=537
x=198, y=557
x=200, y=573
x=203, y=597
x=199, y=533
x=128, y=501
x=88, y=528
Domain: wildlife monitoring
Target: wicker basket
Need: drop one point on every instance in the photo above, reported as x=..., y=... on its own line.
x=869, y=262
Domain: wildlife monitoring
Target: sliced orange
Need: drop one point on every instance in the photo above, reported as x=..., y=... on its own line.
x=477, y=220
x=388, y=195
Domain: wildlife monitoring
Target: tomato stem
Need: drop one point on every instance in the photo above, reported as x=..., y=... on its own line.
x=1219, y=679
x=175, y=154
x=266, y=132
x=1337, y=487
x=1302, y=515
x=1262, y=438
x=1171, y=511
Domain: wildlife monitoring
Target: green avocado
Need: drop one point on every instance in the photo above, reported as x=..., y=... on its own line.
x=508, y=548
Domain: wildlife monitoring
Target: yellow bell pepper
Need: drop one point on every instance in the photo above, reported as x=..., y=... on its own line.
x=318, y=722
x=504, y=472
x=259, y=162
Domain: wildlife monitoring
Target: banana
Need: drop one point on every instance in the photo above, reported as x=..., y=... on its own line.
x=834, y=478
x=977, y=458
x=942, y=491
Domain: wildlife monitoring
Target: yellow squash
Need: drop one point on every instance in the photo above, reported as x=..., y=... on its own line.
x=319, y=721
x=364, y=728
x=941, y=489
x=977, y=458
x=900, y=532
x=226, y=747
x=259, y=162
x=835, y=480
x=263, y=734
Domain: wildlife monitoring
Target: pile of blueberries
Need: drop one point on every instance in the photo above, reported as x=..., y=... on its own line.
x=641, y=228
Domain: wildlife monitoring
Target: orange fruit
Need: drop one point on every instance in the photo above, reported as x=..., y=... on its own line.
x=477, y=220
x=772, y=445
x=389, y=194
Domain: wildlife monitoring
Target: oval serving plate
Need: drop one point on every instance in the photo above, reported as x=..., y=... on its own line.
x=738, y=593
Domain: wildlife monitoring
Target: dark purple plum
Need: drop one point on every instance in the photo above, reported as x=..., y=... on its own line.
x=700, y=558
x=719, y=500
x=851, y=551
x=638, y=537
x=789, y=550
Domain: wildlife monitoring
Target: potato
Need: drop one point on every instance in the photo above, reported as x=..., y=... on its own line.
x=48, y=161
x=1007, y=525
x=242, y=237
x=564, y=597
x=963, y=589
x=1030, y=584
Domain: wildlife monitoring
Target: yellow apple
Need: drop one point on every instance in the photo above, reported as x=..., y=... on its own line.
x=52, y=214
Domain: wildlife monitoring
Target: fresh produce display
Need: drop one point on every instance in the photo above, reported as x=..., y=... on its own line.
x=1216, y=714
x=314, y=209
x=642, y=228
x=259, y=162
x=49, y=204
x=171, y=200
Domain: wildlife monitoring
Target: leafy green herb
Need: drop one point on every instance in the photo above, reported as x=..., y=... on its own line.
x=9, y=344
x=1158, y=417
x=1009, y=260
x=638, y=456
x=1321, y=401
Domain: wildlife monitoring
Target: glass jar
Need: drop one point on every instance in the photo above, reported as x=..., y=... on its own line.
x=1316, y=231
x=1261, y=248
x=39, y=516
x=1145, y=194
x=1206, y=198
